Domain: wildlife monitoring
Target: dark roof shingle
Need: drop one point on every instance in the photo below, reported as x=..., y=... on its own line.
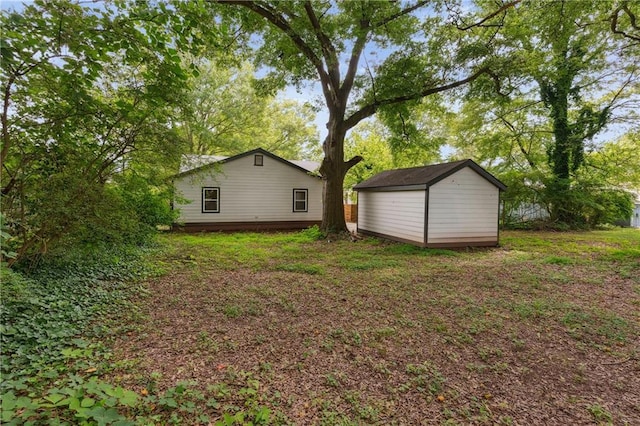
x=423, y=176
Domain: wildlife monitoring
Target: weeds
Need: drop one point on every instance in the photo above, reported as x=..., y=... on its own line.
x=600, y=414
x=340, y=317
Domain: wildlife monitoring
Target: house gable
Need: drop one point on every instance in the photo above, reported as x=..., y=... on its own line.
x=246, y=193
x=217, y=161
x=463, y=209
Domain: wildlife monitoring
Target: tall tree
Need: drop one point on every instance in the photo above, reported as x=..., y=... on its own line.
x=86, y=98
x=571, y=78
x=224, y=113
x=424, y=50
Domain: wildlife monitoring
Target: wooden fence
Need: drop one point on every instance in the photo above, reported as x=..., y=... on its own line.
x=351, y=212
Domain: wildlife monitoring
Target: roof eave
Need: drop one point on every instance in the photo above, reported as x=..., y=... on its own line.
x=387, y=188
x=245, y=154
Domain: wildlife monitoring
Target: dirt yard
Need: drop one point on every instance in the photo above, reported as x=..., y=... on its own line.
x=543, y=330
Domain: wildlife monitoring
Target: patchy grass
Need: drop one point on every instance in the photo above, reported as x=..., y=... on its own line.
x=287, y=328
x=302, y=268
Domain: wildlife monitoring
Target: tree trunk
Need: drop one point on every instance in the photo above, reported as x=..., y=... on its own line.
x=332, y=208
x=560, y=159
x=333, y=171
x=555, y=95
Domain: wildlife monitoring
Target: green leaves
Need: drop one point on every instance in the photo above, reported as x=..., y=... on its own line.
x=48, y=320
x=90, y=93
x=227, y=110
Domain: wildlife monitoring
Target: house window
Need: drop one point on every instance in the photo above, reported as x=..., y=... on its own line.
x=210, y=200
x=258, y=160
x=300, y=200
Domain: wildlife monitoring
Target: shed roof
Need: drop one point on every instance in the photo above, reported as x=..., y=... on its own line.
x=424, y=176
x=194, y=163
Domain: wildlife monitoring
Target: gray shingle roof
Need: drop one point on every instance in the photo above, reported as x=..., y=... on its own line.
x=424, y=176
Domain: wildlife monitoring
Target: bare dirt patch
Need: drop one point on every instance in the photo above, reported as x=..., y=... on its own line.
x=382, y=333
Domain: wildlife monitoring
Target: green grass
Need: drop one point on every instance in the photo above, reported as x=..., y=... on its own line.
x=288, y=328
x=492, y=310
x=302, y=268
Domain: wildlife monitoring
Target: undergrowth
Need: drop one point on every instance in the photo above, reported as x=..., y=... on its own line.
x=56, y=320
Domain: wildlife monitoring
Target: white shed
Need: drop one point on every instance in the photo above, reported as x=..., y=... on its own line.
x=444, y=205
x=255, y=190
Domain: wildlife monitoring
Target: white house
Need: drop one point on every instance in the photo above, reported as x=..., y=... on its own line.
x=255, y=190
x=443, y=205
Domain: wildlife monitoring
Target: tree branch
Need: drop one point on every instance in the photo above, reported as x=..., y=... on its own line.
x=328, y=50
x=356, y=52
x=355, y=160
x=516, y=136
x=283, y=25
x=403, y=12
x=614, y=21
x=492, y=15
x=4, y=119
x=369, y=110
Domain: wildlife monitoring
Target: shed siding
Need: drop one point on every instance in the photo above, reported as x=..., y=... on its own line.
x=463, y=208
x=249, y=193
x=395, y=214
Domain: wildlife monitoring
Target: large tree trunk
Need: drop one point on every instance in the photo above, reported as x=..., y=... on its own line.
x=563, y=155
x=332, y=208
x=560, y=158
x=333, y=171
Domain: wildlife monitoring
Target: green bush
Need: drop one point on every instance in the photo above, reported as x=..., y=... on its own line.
x=587, y=205
x=582, y=203
x=313, y=233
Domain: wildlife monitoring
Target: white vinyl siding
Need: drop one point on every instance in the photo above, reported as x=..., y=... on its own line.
x=398, y=214
x=249, y=193
x=463, y=208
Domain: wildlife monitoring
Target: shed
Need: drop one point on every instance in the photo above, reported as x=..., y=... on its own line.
x=255, y=190
x=443, y=205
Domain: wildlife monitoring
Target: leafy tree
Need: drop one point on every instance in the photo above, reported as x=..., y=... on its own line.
x=425, y=53
x=289, y=130
x=224, y=113
x=378, y=147
x=86, y=94
x=368, y=140
x=221, y=104
x=571, y=79
x=617, y=163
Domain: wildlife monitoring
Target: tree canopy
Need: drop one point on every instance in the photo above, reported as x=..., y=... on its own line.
x=367, y=57
x=224, y=113
x=88, y=92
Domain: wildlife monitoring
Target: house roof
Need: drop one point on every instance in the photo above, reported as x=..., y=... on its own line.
x=423, y=177
x=195, y=163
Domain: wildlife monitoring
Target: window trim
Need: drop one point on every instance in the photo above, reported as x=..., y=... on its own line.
x=217, y=199
x=305, y=191
x=257, y=157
